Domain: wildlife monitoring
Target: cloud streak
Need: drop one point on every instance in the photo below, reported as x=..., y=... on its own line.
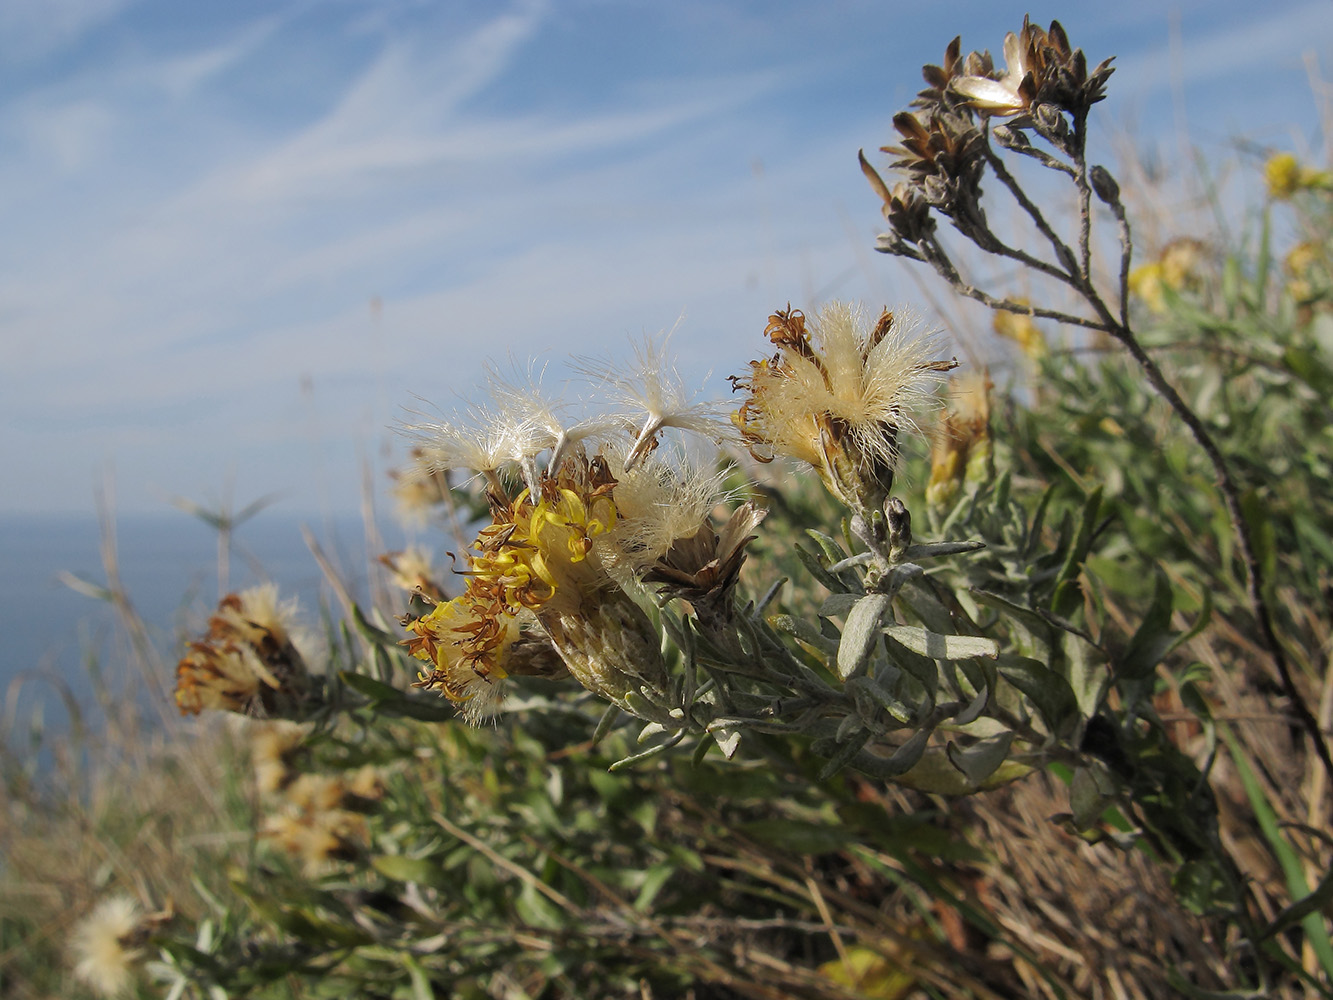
x=195, y=232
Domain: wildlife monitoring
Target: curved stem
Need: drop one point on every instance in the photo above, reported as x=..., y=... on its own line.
x=1226, y=484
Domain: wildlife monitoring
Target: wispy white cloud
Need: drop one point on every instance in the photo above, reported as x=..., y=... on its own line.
x=180, y=258
x=181, y=75
x=1236, y=50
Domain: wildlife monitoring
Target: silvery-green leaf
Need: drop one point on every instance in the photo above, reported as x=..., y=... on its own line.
x=979, y=762
x=861, y=634
x=837, y=605
x=1087, y=799
x=728, y=741
x=804, y=631
x=930, y=550
x=973, y=711
x=881, y=697
x=942, y=647
x=650, y=730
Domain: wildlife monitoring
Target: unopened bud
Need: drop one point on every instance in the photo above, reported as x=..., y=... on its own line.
x=1105, y=185
x=1010, y=138
x=898, y=520
x=1051, y=122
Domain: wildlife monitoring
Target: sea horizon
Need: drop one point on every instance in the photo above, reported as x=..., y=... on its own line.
x=57, y=640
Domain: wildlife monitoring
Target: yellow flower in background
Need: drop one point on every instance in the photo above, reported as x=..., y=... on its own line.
x=1303, y=265
x=961, y=447
x=837, y=396
x=1145, y=283
x=1282, y=173
x=1022, y=330
x=1285, y=176
x=1179, y=267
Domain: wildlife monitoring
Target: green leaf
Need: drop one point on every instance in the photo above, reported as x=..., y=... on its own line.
x=1315, y=903
x=817, y=569
x=877, y=693
x=436, y=709
x=368, y=686
x=799, y=837
x=1068, y=595
x=1262, y=533
x=653, y=881
x=1316, y=933
x=376, y=635
x=1033, y=534
x=933, y=550
x=1090, y=793
x=1029, y=626
x=837, y=605
x=902, y=760
x=1050, y=693
x=840, y=754
x=1088, y=676
x=980, y=761
x=403, y=869
x=420, y=982
x=805, y=632
x=1153, y=638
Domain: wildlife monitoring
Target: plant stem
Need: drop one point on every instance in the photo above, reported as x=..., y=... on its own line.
x=1255, y=583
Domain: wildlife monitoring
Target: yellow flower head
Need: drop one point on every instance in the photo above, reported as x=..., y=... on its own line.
x=1177, y=267
x=1020, y=328
x=543, y=559
x=1282, y=173
x=1286, y=175
x=837, y=396
x=961, y=450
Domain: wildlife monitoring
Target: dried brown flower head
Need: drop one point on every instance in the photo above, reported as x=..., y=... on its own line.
x=938, y=92
x=1040, y=69
x=247, y=662
x=704, y=567
x=946, y=150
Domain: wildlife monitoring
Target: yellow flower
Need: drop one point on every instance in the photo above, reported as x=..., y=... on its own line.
x=1302, y=265
x=837, y=397
x=1177, y=267
x=545, y=557
x=1020, y=328
x=1145, y=282
x=1285, y=175
x=961, y=450
x=1282, y=173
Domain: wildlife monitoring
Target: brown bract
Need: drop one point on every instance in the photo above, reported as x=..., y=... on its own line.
x=704, y=567
x=905, y=208
x=939, y=79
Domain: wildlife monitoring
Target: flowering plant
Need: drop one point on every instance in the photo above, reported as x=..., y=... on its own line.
x=640, y=580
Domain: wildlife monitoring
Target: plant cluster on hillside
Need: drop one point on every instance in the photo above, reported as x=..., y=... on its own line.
x=1047, y=717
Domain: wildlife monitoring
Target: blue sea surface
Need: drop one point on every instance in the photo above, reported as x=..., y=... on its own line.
x=53, y=638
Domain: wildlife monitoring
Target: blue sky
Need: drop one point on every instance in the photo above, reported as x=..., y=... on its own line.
x=238, y=239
